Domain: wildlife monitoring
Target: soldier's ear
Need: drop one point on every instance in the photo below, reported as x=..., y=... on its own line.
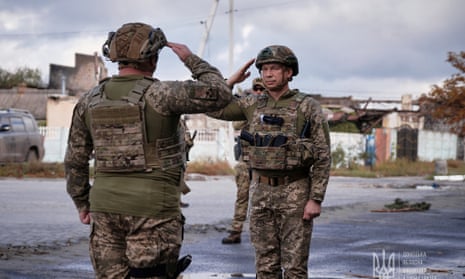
x=288, y=73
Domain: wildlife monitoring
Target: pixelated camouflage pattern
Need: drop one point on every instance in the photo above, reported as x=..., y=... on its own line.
x=134, y=42
x=277, y=54
x=318, y=146
x=168, y=98
x=118, y=133
x=242, y=178
x=279, y=234
x=165, y=153
x=147, y=203
x=295, y=154
x=205, y=95
x=119, y=242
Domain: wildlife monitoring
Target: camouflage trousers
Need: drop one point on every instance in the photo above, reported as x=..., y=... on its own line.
x=280, y=236
x=242, y=196
x=119, y=243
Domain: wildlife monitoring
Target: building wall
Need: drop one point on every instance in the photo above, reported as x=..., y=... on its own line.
x=436, y=145
x=60, y=111
x=87, y=72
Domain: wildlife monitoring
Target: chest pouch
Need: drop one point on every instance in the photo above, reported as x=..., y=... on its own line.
x=277, y=145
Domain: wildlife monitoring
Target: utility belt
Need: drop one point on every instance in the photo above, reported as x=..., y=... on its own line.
x=279, y=180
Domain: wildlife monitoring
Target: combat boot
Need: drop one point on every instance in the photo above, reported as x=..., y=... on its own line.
x=232, y=238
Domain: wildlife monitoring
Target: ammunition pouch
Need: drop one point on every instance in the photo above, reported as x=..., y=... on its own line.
x=290, y=156
x=165, y=153
x=274, y=142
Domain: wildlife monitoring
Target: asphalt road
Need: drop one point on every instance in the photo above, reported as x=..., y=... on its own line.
x=41, y=237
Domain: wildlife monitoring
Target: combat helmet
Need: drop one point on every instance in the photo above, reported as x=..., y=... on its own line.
x=278, y=54
x=257, y=82
x=134, y=42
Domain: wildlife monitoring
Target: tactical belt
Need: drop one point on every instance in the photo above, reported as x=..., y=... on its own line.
x=279, y=180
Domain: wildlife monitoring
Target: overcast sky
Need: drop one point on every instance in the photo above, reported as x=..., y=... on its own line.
x=361, y=48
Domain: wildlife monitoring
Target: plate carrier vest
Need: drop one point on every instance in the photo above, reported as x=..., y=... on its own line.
x=119, y=134
x=296, y=153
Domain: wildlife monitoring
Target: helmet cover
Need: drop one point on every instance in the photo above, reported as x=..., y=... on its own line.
x=278, y=54
x=134, y=42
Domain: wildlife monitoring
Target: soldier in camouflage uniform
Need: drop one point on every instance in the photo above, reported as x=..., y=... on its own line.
x=242, y=178
x=288, y=149
x=131, y=123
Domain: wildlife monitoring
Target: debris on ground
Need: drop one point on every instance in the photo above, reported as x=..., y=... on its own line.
x=361, y=276
x=431, y=270
x=400, y=205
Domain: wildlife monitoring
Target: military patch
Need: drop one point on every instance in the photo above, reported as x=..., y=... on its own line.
x=203, y=93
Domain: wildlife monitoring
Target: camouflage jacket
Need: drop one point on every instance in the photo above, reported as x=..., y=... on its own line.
x=309, y=110
x=165, y=102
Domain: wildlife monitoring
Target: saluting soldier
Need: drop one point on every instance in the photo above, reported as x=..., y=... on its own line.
x=131, y=122
x=288, y=148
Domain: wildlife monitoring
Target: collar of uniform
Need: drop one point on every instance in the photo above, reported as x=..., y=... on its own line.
x=126, y=78
x=288, y=94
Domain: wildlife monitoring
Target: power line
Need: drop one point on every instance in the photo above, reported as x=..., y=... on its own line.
x=189, y=23
x=265, y=6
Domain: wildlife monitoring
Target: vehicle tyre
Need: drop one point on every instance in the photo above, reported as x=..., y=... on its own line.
x=31, y=156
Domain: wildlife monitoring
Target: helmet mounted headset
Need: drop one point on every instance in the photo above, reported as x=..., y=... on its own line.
x=134, y=42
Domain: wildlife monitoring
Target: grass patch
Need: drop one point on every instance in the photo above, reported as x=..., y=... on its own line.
x=403, y=167
x=400, y=167
x=210, y=167
x=456, y=167
x=36, y=169
x=207, y=167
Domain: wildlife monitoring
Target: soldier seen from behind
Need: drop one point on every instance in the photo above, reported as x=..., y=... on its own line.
x=288, y=149
x=131, y=122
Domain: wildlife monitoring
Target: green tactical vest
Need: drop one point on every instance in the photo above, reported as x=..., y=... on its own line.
x=119, y=134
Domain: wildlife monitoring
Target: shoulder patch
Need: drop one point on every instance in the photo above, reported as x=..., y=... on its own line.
x=203, y=93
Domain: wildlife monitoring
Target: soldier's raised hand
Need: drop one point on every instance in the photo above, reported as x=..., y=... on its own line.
x=182, y=51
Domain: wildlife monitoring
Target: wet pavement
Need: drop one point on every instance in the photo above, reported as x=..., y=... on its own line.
x=41, y=237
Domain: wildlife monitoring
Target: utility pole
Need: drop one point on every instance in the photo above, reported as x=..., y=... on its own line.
x=208, y=26
x=231, y=36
